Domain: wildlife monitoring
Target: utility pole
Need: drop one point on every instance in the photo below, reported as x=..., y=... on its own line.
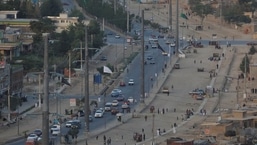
x=237, y=95
x=153, y=130
x=127, y=22
x=81, y=63
x=177, y=27
x=103, y=24
x=170, y=15
x=39, y=90
x=221, y=7
x=219, y=105
x=86, y=81
x=142, y=61
x=245, y=78
x=45, y=119
x=115, y=6
x=69, y=67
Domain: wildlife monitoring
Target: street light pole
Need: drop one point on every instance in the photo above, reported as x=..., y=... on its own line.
x=45, y=119
x=177, y=28
x=86, y=81
x=170, y=15
x=142, y=61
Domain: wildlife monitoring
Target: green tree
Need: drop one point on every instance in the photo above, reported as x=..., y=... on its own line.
x=245, y=64
x=77, y=13
x=202, y=10
x=51, y=8
x=252, y=50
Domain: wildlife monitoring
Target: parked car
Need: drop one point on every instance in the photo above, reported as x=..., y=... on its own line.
x=251, y=43
x=68, y=123
x=172, y=44
x=131, y=82
x=152, y=61
x=116, y=92
x=76, y=124
x=149, y=57
x=90, y=118
x=115, y=103
x=117, y=36
x=38, y=132
x=99, y=113
x=32, y=136
x=103, y=58
x=56, y=126
x=56, y=131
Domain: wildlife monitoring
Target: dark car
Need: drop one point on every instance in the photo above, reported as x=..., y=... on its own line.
x=103, y=58
x=75, y=124
x=120, y=98
x=251, y=43
x=38, y=132
x=114, y=110
x=149, y=57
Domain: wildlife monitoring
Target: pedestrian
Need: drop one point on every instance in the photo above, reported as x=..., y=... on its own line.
x=158, y=111
x=168, y=93
x=143, y=136
x=163, y=111
x=164, y=130
x=104, y=138
x=172, y=87
x=174, y=109
x=145, y=117
x=194, y=61
x=158, y=132
x=96, y=137
x=217, y=66
x=110, y=140
x=143, y=130
x=175, y=124
x=200, y=61
x=177, y=117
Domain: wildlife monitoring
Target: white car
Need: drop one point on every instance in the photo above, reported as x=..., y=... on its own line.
x=68, y=123
x=115, y=103
x=131, y=82
x=56, y=131
x=56, y=126
x=172, y=44
x=131, y=99
x=124, y=106
x=99, y=113
x=117, y=36
x=108, y=106
x=32, y=136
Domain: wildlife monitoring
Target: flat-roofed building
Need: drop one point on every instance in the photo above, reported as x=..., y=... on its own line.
x=62, y=22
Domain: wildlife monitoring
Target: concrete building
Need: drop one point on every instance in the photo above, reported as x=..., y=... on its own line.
x=62, y=22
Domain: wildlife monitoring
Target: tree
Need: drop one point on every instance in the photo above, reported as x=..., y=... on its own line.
x=77, y=13
x=252, y=50
x=51, y=8
x=202, y=10
x=245, y=64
